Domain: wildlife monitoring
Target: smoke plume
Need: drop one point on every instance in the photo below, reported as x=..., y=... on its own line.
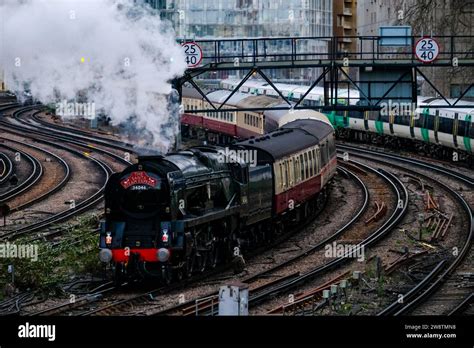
x=117, y=54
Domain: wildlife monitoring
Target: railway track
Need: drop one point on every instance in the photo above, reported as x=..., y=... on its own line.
x=57, y=187
x=389, y=224
x=440, y=274
x=262, y=292
x=72, y=136
x=464, y=305
x=7, y=168
x=63, y=215
x=69, y=139
x=44, y=128
x=54, y=141
x=14, y=305
x=417, y=295
x=30, y=180
x=86, y=135
x=468, y=180
x=107, y=307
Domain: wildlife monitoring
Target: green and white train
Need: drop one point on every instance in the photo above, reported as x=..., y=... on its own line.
x=442, y=131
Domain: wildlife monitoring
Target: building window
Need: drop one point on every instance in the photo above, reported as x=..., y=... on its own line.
x=457, y=90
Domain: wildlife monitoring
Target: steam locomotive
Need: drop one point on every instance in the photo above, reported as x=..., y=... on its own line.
x=172, y=216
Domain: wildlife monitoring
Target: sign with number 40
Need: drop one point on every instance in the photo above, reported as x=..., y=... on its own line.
x=427, y=49
x=193, y=53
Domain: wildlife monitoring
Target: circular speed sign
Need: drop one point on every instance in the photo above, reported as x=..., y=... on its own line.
x=427, y=49
x=193, y=53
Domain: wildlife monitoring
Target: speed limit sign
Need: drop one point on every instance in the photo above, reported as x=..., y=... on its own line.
x=193, y=54
x=427, y=49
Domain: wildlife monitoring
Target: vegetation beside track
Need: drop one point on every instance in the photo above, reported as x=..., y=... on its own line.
x=57, y=262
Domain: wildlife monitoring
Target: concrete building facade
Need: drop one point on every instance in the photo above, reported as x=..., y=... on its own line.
x=426, y=17
x=345, y=24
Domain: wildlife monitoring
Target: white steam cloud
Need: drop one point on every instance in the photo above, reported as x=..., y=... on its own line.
x=114, y=53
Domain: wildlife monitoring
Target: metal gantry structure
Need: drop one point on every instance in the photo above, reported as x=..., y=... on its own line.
x=255, y=55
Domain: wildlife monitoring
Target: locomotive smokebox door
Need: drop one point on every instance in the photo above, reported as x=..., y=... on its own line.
x=233, y=299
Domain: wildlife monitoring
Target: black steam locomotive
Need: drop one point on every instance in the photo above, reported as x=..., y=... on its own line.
x=175, y=215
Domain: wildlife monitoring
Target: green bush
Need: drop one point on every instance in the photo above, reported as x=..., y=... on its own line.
x=75, y=254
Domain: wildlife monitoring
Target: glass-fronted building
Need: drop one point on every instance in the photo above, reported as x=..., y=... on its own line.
x=247, y=18
x=215, y=19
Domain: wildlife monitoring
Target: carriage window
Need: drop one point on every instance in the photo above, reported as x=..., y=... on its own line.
x=445, y=125
x=463, y=129
x=324, y=156
x=306, y=165
x=315, y=160
x=281, y=174
x=292, y=171
x=419, y=120
x=295, y=169
x=298, y=172
x=316, y=156
x=373, y=116
x=429, y=122
x=403, y=120
x=287, y=179
x=385, y=117
x=301, y=168
x=310, y=164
